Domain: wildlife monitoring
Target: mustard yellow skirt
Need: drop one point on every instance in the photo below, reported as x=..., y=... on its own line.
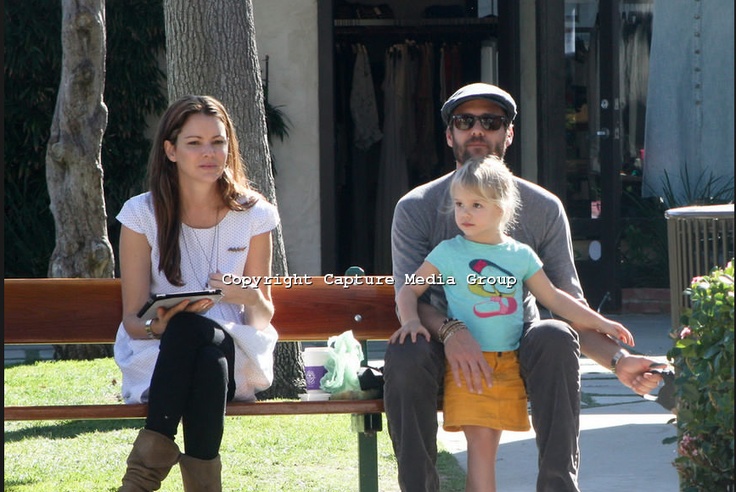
x=501, y=406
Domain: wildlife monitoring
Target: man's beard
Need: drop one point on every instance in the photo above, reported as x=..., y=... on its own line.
x=462, y=154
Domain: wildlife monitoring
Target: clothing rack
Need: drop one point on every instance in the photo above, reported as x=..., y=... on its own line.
x=464, y=21
x=417, y=28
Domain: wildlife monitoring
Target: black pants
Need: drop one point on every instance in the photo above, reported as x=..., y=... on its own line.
x=192, y=382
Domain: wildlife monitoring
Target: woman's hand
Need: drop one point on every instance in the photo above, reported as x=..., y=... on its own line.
x=164, y=315
x=258, y=301
x=234, y=294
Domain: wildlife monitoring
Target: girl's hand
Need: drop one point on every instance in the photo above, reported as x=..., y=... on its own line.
x=618, y=331
x=410, y=328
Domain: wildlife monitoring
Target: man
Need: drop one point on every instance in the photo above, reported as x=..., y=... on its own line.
x=479, y=121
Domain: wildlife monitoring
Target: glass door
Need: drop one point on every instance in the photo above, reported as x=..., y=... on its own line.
x=605, y=100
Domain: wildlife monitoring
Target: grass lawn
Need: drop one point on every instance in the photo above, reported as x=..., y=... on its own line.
x=276, y=453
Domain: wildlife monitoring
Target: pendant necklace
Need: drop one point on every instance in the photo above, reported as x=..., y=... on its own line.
x=214, y=251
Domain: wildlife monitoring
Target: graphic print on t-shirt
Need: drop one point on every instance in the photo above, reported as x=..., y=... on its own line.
x=496, y=285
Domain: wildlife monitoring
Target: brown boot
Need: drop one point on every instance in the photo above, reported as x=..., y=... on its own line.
x=149, y=462
x=201, y=475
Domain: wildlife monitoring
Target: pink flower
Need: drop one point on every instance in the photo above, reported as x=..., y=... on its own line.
x=686, y=332
x=688, y=446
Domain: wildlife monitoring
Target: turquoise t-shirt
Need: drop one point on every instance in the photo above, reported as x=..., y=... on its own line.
x=484, y=287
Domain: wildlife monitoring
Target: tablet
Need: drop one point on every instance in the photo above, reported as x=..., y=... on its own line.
x=156, y=301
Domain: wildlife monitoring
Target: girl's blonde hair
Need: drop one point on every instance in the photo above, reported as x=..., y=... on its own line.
x=489, y=178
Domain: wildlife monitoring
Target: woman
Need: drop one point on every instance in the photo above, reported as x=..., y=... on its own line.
x=199, y=220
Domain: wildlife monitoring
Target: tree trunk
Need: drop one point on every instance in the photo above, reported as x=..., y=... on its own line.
x=73, y=162
x=211, y=49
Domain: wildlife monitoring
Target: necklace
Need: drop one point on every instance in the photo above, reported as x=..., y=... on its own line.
x=213, y=255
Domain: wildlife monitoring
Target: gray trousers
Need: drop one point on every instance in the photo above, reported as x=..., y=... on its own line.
x=549, y=356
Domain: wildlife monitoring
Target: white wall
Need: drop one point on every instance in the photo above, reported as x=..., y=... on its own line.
x=286, y=31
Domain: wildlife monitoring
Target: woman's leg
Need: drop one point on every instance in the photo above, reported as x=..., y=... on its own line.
x=178, y=369
x=482, y=450
x=212, y=387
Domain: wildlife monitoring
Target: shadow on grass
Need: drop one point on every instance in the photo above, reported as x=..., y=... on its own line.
x=452, y=475
x=71, y=428
x=11, y=485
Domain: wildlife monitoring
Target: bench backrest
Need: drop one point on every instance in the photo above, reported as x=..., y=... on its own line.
x=62, y=310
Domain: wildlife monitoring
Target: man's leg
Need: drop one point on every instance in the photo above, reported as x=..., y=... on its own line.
x=412, y=380
x=549, y=355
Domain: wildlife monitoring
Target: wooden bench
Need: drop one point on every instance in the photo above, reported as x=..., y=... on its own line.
x=310, y=308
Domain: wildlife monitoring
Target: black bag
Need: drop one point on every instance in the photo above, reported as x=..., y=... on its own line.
x=666, y=396
x=371, y=379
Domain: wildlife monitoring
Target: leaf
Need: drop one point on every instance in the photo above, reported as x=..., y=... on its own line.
x=704, y=384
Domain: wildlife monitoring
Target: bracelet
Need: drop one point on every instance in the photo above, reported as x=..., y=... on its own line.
x=449, y=328
x=446, y=324
x=149, y=330
x=617, y=357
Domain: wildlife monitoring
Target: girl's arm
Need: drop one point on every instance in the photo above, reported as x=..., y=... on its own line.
x=406, y=303
x=257, y=301
x=564, y=305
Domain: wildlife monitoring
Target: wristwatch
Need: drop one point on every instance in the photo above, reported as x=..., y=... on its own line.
x=617, y=357
x=149, y=330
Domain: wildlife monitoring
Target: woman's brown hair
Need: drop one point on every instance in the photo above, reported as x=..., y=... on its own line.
x=163, y=177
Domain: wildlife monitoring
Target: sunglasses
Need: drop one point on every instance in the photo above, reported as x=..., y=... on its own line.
x=487, y=121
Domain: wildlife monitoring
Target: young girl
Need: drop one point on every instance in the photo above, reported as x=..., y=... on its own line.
x=199, y=220
x=483, y=272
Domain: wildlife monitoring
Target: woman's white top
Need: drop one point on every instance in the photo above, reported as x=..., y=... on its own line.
x=221, y=248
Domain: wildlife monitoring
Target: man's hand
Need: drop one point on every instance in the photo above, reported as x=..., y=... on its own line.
x=634, y=372
x=466, y=360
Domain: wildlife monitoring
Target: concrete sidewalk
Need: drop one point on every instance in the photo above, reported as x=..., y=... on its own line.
x=620, y=433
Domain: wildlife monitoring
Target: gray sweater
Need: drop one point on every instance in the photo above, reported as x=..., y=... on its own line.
x=424, y=217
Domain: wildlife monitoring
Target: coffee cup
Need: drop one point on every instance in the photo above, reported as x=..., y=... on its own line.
x=315, y=359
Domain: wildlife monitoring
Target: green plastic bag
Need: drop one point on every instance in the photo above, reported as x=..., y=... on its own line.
x=343, y=364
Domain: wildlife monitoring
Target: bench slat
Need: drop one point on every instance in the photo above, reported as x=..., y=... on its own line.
x=121, y=411
x=59, y=311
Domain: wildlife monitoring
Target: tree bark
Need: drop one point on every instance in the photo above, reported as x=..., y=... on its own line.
x=211, y=49
x=73, y=157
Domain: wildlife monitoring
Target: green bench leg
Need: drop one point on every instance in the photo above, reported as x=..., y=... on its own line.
x=367, y=426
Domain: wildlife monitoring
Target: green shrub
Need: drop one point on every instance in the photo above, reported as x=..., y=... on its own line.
x=703, y=357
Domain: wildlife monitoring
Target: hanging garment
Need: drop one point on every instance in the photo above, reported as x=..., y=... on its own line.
x=366, y=129
x=364, y=160
x=634, y=81
x=398, y=138
x=690, y=111
x=423, y=157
